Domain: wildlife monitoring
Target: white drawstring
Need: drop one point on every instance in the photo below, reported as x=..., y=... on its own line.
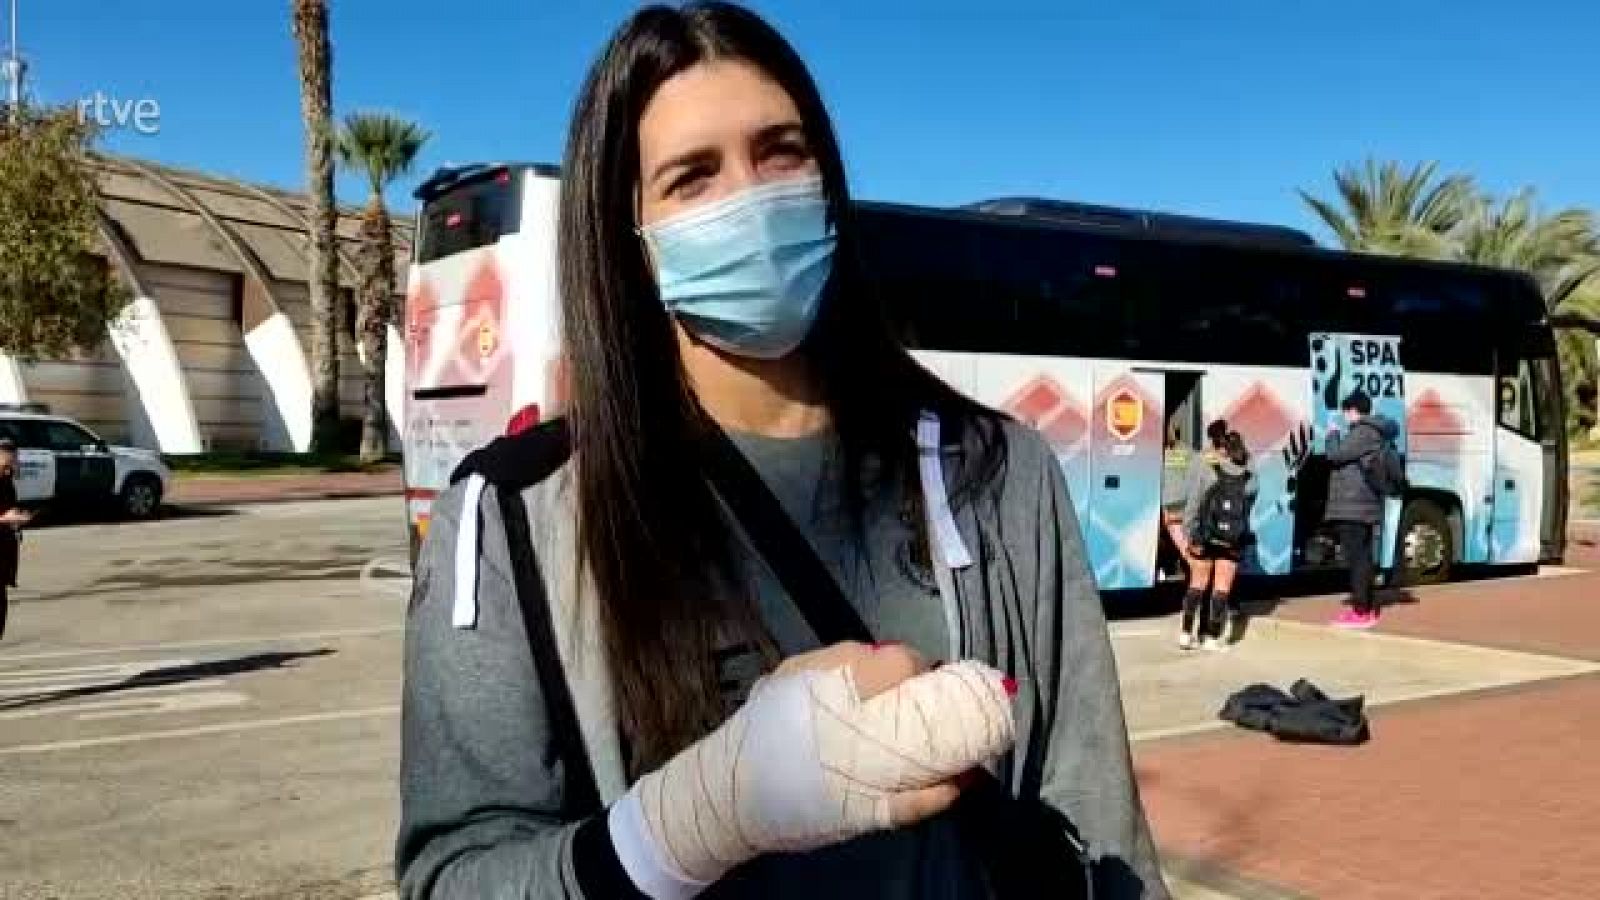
x=946, y=549
x=465, y=613
x=941, y=522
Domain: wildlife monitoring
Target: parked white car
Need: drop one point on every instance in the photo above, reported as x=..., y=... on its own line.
x=63, y=464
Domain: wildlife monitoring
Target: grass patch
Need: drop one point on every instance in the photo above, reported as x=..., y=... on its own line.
x=230, y=464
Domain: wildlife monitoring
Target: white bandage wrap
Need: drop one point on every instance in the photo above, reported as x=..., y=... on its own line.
x=804, y=764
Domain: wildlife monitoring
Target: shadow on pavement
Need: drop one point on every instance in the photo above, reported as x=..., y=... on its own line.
x=170, y=675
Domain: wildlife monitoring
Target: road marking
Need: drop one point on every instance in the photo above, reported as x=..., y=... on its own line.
x=210, y=642
x=396, y=584
x=133, y=703
x=15, y=682
x=220, y=728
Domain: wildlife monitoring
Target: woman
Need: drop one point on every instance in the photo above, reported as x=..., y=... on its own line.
x=12, y=518
x=709, y=280
x=1212, y=543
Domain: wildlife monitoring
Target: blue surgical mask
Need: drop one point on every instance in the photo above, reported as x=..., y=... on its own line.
x=746, y=273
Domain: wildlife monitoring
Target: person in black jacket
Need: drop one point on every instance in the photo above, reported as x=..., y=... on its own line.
x=11, y=518
x=1355, y=507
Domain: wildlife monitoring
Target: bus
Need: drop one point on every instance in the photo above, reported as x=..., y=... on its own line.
x=1118, y=335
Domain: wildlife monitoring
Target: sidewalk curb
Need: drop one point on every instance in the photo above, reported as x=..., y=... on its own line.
x=284, y=497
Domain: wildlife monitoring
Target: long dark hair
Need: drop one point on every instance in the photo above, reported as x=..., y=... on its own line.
x=651, y=533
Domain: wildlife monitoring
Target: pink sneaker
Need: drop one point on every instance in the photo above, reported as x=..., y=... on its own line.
x=1349, y=618
x=1344, y=619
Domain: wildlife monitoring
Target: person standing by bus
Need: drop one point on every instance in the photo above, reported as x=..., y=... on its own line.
x=709, y=280
x=1355, y=505
x=1219, y=493
x=12, y=518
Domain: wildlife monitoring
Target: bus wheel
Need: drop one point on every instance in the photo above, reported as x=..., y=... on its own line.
x=1426, y=546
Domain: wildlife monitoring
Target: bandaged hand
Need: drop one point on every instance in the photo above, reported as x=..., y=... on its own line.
x=807, y=762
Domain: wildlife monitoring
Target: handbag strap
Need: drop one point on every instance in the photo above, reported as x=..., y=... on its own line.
x=792, y=559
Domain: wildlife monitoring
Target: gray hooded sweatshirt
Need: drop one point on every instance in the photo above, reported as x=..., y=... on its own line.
x=484, y=812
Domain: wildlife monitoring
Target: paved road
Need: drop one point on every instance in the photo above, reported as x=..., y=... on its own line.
x=203, y=707
x=206, y=707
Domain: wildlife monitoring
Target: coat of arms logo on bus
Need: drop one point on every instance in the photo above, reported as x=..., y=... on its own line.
x=488, y=338
x=1124, y=414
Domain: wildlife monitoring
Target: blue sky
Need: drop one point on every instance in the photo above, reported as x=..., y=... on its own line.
x=1220, y=108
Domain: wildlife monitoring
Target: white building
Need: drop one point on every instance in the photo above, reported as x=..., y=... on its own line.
x=213, y=352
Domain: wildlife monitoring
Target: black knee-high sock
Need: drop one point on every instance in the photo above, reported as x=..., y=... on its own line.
x=1217, y=612
x=1191, y=606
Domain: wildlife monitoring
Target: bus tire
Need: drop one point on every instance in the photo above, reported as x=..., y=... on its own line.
x=1425, y=544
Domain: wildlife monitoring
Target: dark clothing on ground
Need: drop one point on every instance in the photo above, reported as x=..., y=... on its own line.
x=1355, y=538
x=1304, y=715
x=1351, y=495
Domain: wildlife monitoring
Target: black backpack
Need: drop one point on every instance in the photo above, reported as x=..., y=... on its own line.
x=1225, y=511
x=1385, y=470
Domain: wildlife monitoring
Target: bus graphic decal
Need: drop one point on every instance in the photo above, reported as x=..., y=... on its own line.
x=1045, y=405
x=1267, y=423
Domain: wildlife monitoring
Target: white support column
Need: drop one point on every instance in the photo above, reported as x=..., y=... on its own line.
x=141, y=340
x=12, y=388
x=275, y=348
x=394, y=384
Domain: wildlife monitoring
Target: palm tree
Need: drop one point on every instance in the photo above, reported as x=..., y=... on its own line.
x=315, y=54
x=1387, y=209
x=383, y=148
x=1561, y=251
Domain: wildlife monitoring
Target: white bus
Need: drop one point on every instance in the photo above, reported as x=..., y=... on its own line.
x=1118, y=334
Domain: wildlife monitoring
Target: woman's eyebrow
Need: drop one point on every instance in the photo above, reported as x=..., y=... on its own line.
x=697, y=156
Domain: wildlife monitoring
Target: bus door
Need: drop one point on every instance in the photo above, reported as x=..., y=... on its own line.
x=1125, y=468
x=1528, y=501
x=1342, y=364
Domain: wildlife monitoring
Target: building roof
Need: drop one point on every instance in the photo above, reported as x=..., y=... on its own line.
x=153, y=206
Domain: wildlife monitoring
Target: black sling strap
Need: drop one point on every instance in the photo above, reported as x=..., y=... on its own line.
x=789, y=555
x=582, y=796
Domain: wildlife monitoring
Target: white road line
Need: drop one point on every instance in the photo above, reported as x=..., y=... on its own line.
x=107, y=689
x=125, y=705
x=209, y=642
x=29, y=680
x=220, y=728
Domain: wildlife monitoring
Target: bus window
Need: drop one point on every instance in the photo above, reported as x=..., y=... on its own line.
x=472, y=214
x=925, y=272
x=1222, y=306
x=1441, y=318
x=1062, y=294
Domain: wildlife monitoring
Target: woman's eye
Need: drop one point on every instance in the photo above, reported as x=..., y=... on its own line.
x=687, y=185
x=789, y=153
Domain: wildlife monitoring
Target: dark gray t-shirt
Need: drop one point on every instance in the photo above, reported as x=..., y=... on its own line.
x=884, y=572
x=885, y=575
